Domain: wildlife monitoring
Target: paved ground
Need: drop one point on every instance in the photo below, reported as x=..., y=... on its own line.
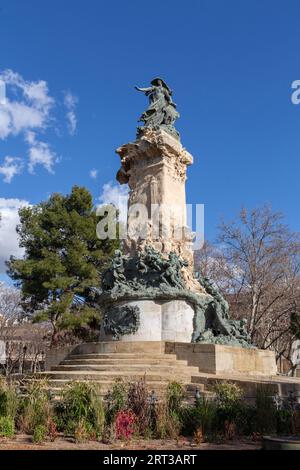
x=23, y=442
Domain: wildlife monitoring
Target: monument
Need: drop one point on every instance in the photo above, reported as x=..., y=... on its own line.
x=150, y=292
x=159, y=319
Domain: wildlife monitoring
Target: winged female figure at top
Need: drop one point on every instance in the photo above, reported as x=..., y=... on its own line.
x=161, y=112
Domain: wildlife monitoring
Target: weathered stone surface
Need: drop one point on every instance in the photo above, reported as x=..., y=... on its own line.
x=159, y=321
x=177, y=317
x=217, y=359
x=154, y=166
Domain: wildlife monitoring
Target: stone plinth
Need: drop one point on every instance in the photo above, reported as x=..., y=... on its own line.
x=159, y=321
x=218, y=359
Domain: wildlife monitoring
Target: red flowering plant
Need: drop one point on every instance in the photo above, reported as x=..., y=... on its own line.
x=125, y=424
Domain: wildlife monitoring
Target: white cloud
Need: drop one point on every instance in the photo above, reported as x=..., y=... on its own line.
x=116, y=195
x=70, y=102
x=94, y=174
x=8, y=236
x=27, y=112
x=40, y=153
x=10, y=167
x=5, y=122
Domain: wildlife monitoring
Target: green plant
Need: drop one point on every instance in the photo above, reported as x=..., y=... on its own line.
x=80, y=404
x=62, y=262
x=160, y=420
x=284, y=421
x=265, y=409
x=173, y=425
x=8, y=399
x=39, y=434
x=246, y=419
x=228, y=401
x=84, y=431
x=200, y=417
x=35, y=407
x=166, y=423
x=175, y=396
x=115, y=400
x=227, y=394
x=7, y=426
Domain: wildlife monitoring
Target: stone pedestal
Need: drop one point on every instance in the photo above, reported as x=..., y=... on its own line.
x=155, y=166
x=219, y=359
x=159, y=321
x=210, y=359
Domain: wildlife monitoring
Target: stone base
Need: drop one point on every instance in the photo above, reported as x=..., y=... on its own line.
x=219, y=359
x=159, y=321
x=208, y=358
x=196, y=366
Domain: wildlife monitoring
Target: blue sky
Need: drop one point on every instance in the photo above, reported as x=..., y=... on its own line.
x=230, y=64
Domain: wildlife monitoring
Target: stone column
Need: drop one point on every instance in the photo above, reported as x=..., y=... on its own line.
x=155, y=166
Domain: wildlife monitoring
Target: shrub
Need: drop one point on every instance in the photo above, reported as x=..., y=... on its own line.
x=80, y=403
x=265, y=410
x=284, y=421
x=228, y=396
x=84, y=431
x=7, y=426
x=125, y=424
x=207, y=415
x=246, y=419
x=8, y=399
x=35, y=407
x=160, y=420
x=173, y=425
x=39, y=434
x=115, y=400
x=52, y=429
x=138, y=403
x=165, y=423
x=199, y=419
x=175, y=396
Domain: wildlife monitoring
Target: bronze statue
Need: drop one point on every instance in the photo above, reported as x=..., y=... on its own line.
x=171, y=276
x=161, y=112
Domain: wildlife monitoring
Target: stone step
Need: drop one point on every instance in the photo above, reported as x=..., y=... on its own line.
x=57, y=386
x=130, y=375
x=249, y=384
x=109, y=347
x=257, y=379
x=121, y=368
x=108, y=384
x=113, y=361
x=122, y=355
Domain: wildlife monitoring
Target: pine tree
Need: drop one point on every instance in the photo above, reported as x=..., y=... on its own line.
x=63, y=261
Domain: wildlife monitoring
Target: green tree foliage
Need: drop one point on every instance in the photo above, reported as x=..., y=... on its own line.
x=63, y=260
